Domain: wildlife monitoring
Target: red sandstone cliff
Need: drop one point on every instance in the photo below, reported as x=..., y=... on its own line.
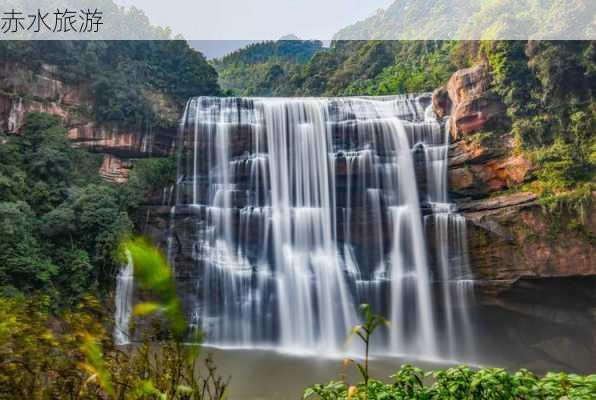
x=23, y=90
x=510, y=236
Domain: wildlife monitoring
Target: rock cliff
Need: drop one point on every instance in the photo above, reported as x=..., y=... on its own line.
x=23, y=90
x=511, y=236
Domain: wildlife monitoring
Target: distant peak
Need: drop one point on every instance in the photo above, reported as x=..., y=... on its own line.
x=289, y=37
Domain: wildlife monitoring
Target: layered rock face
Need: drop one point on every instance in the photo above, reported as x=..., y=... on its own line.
x=23, y=91
x=530, y=267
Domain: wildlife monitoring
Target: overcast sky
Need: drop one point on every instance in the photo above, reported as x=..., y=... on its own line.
x=256, y=19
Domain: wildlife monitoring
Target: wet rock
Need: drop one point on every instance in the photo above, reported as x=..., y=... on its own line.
x=566, y=351
x=547, y=322
x=461, y=153
x=114, y=169
x=460, y=179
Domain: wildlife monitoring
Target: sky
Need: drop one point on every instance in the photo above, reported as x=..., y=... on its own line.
x=256, y=19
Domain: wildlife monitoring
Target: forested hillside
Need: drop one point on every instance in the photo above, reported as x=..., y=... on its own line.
x=357, y=68
x=60, y=222
x=374, y=68
x=263, y=68
x=486, y=19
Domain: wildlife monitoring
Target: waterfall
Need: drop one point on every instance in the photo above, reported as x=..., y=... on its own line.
x=451, y=253
x=302, y=208
x=123, y=300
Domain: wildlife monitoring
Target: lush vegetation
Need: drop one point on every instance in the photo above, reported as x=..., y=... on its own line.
x=486, y=19
x=346, y=68
x=547, y=88
x=461, y=383
x=289, y=49
x=60, y=222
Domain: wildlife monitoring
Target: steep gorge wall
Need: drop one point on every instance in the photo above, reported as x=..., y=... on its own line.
x=536, y=267
x=23, y=90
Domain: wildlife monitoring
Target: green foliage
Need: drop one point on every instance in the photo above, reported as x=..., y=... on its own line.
x=23, y=265
x=78, y=359
x=347, y=68
x=512, y=78
x=60, y=225
x=292, y=51
x=487, y=19
x=458, y=383
x=418, y=67
x=38, y=362
x=547, y=89
x=558, y=168
x=150, y=175
x=463, y=383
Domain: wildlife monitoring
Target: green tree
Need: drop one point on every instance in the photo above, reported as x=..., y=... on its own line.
x=22, y=264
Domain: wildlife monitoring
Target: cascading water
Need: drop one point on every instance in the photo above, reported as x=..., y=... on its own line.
x=124, y=291
x=451, y=253
x=299, y=209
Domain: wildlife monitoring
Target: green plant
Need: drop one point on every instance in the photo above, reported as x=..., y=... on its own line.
x=408, y=381
x=463, y=383
x=365, y=331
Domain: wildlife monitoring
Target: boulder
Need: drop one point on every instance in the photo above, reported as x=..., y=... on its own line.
x=461, y=153
x=495, y=203
x=469, y=102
